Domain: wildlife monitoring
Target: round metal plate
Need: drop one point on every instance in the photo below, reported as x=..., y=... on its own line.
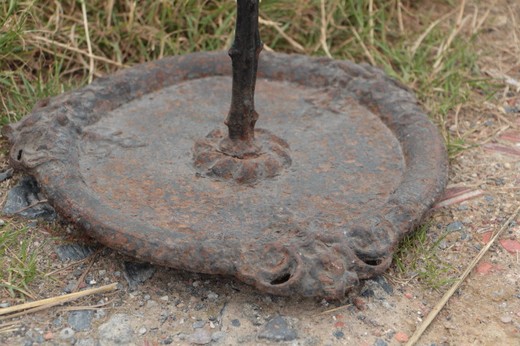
x=364, y=164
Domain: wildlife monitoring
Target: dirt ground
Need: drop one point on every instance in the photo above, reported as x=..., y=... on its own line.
x=182, y=308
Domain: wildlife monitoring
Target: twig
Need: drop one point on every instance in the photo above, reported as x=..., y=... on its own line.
x=365, y=49
x=371, y=21
x=335, y=309
x=457, y=111
x=66, y=267
x=431, y=316
x=30, y=206
x=323, y=36
x=88, y=307
x=89, y=46
x=82, y=277
x=49, y=302
x=282, y=33
x=459, y=24
x=76, y=50
x=400, y=17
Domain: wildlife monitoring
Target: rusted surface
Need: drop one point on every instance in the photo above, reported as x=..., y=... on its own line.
x=118, y=158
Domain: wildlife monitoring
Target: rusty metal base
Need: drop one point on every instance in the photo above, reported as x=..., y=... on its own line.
x=358, y=166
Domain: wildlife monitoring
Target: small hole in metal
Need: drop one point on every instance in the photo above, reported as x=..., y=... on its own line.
x=371, y=261
x=281, y=279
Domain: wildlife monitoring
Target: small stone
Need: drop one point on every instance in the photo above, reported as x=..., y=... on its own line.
x=67, y=333
x=455, y=226
x=486, y=237
x=359, y=303
x=200, y=337
x=151, y=304
x=212, y=296
x=489, y=199
x=22, y=196
x=167, y=341
x=137, y=273
x=73, y=252
x=117, y=331
x=408, y=295
x=102, y=272
x=401, y=337
x=384, y=284
x=217, y=336
x=164, y=298
x=80, y=320
x=367, y=293
x=2, y=222
x=338, y=334
x=506, y=319
x=277, y=329
x=48, y=336
x=7, y=174
x=198, y=324
x=235, y=323
x=511, y=246
x=86, y=342
x=380, y=342
x=484, y=268
x=142, y=331
x=4, y=305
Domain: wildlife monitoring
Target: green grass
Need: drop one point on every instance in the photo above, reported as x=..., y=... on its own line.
x=418, y=257
x=44, y=51
x=18, y=260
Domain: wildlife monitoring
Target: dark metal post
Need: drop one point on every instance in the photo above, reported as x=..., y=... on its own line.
x=244, y=54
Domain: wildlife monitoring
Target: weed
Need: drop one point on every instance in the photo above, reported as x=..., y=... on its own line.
x=417, y=257
x=18, y=260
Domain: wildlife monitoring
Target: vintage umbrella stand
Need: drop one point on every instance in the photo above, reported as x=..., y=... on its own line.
x=315, y=197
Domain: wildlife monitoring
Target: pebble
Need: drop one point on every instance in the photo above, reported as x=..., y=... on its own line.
x=73, y=252
x=142, y=331
x=151, y=304
x=23, y=195
x=401, y=337
x=235, y=323
x=217, y=336
x=167, y=341
x=80, y=320
x=338, y=334
x=137, y=273
x=198, y=324
x=380, y=342
x=86, y=342
x=455, y=226
x=2, y=222
x=277, y=329
x=7, y=174
x=48, y=336
x=117, y=331
x=212, y=296
x=359, y=303
x=4, y=305
x=164, y=298
x=384, y=284
x=506, y=319
x=200, y=337
x=67, y=333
